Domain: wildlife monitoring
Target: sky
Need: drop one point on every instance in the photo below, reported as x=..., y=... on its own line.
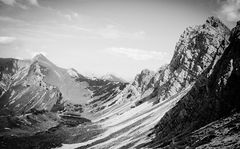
x=99, y=37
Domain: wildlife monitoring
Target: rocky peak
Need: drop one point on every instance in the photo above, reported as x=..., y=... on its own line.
x=197, y=49
x=39, y=57
x=146, y=72
x=214, y=21
x=217, y=24
x=43, y=60
x=142, y=80
x=212, y=97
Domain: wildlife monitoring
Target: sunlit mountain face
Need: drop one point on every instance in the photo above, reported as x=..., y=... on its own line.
x=119, y=74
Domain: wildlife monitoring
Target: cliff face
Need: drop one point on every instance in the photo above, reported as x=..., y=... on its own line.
x=142, y=80
x=197, y=49
x=215, y=94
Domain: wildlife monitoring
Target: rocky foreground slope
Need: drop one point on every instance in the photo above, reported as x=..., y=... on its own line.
x=191, y=102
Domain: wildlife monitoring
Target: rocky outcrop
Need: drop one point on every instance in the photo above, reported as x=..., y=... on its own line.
x=142, y=80
x=215, y=94
x=147, y=80
x=197, y=48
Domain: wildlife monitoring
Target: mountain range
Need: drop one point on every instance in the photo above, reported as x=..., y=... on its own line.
x=192, y=102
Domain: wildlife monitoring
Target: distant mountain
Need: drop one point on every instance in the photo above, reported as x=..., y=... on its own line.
x=22, y=86
x=64, y=79
x=113, y=78
x=38, y=83
x=91, y=75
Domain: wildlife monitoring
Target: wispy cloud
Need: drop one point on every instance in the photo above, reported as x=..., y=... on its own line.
x=112, y=32
x=33, y=2
x=24, y=4
x=13, y=20
x=8, y=2
x=70, y=16
x=139, y=54
x=109, y=32
x=6, y=39
x=230, y=9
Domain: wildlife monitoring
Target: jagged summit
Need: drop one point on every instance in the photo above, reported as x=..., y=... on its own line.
x=39, y=56
x=146, y=71
x=214, y=21
x=217, y=23
x=197, y=49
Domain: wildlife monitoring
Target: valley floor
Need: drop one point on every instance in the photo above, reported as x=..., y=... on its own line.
x=126, y=127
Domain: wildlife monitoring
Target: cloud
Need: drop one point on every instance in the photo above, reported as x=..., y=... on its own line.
x=230, y=10
x=138, y=54
x=8, y=2
x=112, y=32
x=21, y=3
x=108, y=32
x=13, y=20
x=70, y=15
x=33, y=2
x=75, y=14
x=6, y=39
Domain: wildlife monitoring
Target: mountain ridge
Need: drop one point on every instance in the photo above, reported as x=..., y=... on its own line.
x=196, y=49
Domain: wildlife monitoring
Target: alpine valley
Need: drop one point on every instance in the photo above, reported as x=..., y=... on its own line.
x=192, y=102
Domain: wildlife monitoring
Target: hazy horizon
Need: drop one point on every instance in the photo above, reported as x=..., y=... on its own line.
x=117, y=37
